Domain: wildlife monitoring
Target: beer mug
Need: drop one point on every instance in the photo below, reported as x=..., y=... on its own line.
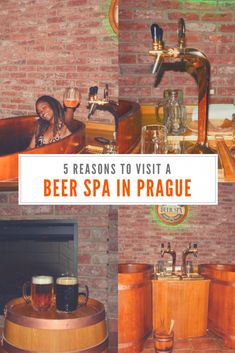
x=68, y=296
x=154, y=139
x=41, y=292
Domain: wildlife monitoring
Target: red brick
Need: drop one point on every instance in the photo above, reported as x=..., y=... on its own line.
x=189, y=16
x=220, y=17
x=228, y=28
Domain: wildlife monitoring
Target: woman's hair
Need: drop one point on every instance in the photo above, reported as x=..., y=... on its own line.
x=58, y=113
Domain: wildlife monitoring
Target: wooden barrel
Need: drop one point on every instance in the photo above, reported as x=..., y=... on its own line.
x=27, y=331
x=134, y=306
x=163, y=342
x=221, y=313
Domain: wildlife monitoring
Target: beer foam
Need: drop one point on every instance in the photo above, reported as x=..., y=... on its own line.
x=42, y=280
x=66, y=281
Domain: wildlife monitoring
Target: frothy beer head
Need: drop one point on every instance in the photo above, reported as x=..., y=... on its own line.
x=67, y=281
x=42, y=280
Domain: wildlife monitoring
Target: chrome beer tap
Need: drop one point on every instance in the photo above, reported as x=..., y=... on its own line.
x=171, y=252
x=190, y=250
x=105, y=104
x=196, y=64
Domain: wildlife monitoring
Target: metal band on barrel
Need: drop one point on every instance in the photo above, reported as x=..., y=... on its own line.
x=97, y=349
x=55, y=324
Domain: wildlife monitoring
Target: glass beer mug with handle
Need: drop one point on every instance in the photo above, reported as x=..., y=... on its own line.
x=154, y=139
x=164, y=103
x=176, y=123
x=41, y=290
x=68, y=294
x=72, y=97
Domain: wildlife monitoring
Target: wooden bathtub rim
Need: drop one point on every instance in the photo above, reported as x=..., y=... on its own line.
x=81, y=127
x=148, y=267
x=135, y=107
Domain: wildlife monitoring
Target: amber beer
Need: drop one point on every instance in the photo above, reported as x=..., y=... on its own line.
x=72, y=97
x=41, y=296
x=70, y=103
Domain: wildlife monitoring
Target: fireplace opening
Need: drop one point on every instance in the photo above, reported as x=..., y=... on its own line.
x=30, y=247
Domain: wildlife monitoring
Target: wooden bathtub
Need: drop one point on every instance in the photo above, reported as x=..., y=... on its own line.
x=134, y=306
x=15, y=136
x=129, y=126
x=221, y=315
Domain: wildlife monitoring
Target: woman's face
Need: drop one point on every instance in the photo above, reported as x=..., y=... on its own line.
x=44, y=111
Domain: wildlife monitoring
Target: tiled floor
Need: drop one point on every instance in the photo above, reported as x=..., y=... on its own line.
x=208, y=344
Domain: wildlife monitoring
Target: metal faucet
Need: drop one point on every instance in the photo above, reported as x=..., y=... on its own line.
x=194, y=62
x=105, y=104
x=170, y=251
x=186, y=252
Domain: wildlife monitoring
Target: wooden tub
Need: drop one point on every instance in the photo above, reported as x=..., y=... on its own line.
x=15, y=136
x=129, y=126
x=221, y=315
x=134, y=306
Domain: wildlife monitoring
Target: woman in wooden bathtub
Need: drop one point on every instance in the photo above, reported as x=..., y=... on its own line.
x=51, y=126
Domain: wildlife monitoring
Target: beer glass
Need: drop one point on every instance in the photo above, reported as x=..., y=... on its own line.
x=67, y=294
x=41, y=292
x=72, y=97
x=154, y=139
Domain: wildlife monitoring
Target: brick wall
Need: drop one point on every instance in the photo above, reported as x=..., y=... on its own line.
x=51, y=44
x=97, y=246
x=209, y=27
x=212, y=227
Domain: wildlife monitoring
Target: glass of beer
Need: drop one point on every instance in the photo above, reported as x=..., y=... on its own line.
x=68, y=295
x=72, y=97
x=41, y=292
x=154, y=139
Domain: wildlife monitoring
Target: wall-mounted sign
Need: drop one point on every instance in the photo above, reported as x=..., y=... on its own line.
x=171, y=214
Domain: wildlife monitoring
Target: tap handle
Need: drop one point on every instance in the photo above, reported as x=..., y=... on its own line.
x=181, y=32
x=155, y=31
x=106, y=91
x=160, y=34
x=95, y=89
x=181, y=28
x=168, y=245
x=162, y=245
x=91, y=91
x=195, y=245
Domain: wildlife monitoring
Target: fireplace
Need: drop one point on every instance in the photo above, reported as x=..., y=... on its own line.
x=29, y=247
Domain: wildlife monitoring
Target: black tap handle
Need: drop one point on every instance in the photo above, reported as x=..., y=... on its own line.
x=91, y=91
x=181, y=28
x=160, y=34
x=162, y=245
x=155, y=31
x=195, y=245
x=169, y=245
x=95, y=89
